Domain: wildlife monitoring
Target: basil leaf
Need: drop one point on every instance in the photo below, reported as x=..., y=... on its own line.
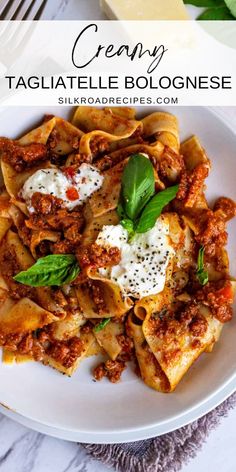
x=200, y=259
x=220, y=13
x=55, y=269
x=202, y=274
x=72, y=273
x=231, y=4
x=101, y=325
x=154, y=208
x=128, y=225
x=205, y=3
x=120, y=210
x=138, y=185
x=203, y=277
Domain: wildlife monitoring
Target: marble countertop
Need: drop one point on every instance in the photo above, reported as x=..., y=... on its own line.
x=23, y=450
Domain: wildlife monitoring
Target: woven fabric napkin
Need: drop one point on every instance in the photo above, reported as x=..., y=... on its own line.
x=166, y=453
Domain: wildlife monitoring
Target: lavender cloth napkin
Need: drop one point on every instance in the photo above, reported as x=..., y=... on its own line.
x=165, y=453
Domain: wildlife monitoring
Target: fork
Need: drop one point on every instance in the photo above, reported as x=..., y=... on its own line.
x=15, y=36
x=21, y=9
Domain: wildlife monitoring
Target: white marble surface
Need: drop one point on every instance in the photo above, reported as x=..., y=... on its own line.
x=23, y=450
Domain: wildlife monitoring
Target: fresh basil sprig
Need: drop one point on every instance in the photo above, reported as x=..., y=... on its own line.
x=215, y=9
x=138, y=207
x=231, y=4
x=101, y=325
x=138, y=185
x=154, y=208
x=205, y=3
x=129, y=226
x=55, y=269
x=124, y=220
x=202, y=274
x=220, y=14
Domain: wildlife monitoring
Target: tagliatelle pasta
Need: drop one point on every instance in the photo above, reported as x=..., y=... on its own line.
x=175, y=350
x=164, y=127
x=109, y=246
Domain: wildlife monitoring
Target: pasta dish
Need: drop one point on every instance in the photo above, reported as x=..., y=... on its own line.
x=109, y=246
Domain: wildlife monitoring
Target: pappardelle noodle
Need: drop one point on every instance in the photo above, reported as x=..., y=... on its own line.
x=108, y=246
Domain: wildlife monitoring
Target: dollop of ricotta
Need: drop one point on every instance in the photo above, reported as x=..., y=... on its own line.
x=86, y=181
x=144, y=260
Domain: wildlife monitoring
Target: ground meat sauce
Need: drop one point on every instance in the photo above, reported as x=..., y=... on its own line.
x=66, y=352
x=198, y=326
x=127, y=347
x=110, y=369
x=225, y=207
x=56, y=137
x=97, y=295
x=24, y=234
x=213, y=231
x=219, y=297
x=191, y=184
x=87, y=328
x=60, y=298
x=9, y=268
x=23, y=344
x=171, y=166
x=22, y=157
x=45, y=204
x=50, y=215
x=63, y=219
x=62, y=247
x=107, y=162
x=175, y=324
x=41, y=344
x=210, y=229
x=96, y=256
x=98, y=144
x=171, y=356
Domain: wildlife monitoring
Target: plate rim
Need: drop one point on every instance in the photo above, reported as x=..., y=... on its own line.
x=130, y=436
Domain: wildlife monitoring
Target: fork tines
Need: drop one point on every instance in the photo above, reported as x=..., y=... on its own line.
x=21, y=9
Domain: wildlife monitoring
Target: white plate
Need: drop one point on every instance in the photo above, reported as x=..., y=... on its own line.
x=78, y=408
x=129, y=436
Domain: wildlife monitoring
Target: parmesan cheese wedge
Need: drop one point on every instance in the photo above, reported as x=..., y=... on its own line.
x=144, y=9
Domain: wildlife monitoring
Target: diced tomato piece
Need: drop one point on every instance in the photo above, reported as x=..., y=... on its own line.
x=70, y=172
x=226, y=292
x=72, y=193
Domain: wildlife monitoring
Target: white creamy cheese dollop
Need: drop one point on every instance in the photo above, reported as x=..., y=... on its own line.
x=86, y=181
x=142, y=268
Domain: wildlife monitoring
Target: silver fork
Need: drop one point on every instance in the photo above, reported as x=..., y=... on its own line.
x=21, y=9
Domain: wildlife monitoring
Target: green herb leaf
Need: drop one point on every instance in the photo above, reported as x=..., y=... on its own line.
x=101, y=325
x=202, y=274
x=220, y=13
x=128, y=225
x=138, y=185
x=55, y=269
x=120, y=210
x=205, y=3
x=231, y=4
x=154, y=208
